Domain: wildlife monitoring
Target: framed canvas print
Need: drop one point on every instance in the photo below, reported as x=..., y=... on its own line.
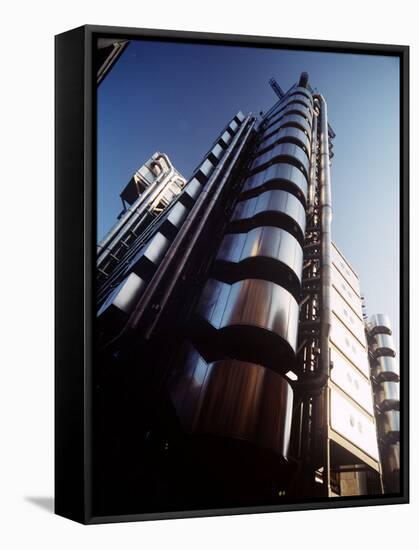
x=231, y=274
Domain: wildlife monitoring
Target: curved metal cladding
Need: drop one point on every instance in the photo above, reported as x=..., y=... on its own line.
x=294, y=106
x=277, y=176
x=287, y=134
x=283, y=151
x=267, y=253
x=384, y=345
x=277, y=208
x=387, y=395
x=285, y=118
x=295, y=119
x=251, y=320
x=299, y=92
x=298, y=103
x=389, y=426
x=379, y=323
x=297, y=100
x=386, y=368
x=233, y=399
x=248, y=311
x=302, y=91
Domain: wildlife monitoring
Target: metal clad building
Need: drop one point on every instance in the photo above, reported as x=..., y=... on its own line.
x=235, y=327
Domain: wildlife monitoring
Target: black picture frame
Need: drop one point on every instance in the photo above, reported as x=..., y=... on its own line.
x=75, y=243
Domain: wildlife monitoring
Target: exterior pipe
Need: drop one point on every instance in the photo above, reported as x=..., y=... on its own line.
x=316, y=382
x=313, y=160
x=326, y=241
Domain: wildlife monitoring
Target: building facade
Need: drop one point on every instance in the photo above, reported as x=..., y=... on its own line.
x=235, y=363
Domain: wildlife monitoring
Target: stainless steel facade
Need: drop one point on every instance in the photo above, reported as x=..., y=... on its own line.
x=386, y=384
x=281, y=175
x=234, y=399
x=257, y=319
x=250, y=313
x=249, y=317
x=263, y=252
x=275, y=207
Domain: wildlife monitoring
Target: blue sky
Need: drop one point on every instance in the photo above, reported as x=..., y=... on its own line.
x=175, y=98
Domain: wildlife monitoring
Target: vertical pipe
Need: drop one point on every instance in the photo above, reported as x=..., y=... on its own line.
x=316, y=381
x=313, y=160
x=326, y=241
x=326, y=264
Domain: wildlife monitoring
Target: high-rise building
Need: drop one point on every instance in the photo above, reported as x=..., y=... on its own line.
x=236, y=365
